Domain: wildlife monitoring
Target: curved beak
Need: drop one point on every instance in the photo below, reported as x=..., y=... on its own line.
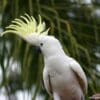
x=38, y=49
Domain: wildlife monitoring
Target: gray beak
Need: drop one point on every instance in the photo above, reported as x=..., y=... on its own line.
x=38, y=49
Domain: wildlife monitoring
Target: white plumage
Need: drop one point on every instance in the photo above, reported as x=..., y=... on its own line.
x=63, y=77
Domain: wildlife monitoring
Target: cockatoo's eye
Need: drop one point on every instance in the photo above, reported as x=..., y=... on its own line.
x=41, y=44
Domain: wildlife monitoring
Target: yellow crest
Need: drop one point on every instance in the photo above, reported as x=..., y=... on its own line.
x=26, y=25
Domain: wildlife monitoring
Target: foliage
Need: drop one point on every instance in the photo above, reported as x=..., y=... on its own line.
x=73, y=22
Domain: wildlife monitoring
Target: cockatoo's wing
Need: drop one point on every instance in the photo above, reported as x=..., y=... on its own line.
x=48, y=85
x=80, y=75
x=47, y=82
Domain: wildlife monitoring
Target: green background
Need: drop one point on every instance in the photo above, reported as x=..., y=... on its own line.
x=74, y=22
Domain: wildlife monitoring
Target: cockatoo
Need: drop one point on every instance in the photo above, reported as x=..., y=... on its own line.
x=63, y=76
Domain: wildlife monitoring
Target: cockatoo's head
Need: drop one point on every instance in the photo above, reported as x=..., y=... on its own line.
x=34, y=33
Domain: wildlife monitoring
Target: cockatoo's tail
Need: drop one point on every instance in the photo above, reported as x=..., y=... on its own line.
x=27, y=27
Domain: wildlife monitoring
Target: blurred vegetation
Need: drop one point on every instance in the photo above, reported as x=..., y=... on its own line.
x=74, y=22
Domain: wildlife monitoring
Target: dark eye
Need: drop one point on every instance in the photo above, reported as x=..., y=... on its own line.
x=41, y=44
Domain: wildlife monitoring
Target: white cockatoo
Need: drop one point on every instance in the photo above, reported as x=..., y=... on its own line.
x=63, y=76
